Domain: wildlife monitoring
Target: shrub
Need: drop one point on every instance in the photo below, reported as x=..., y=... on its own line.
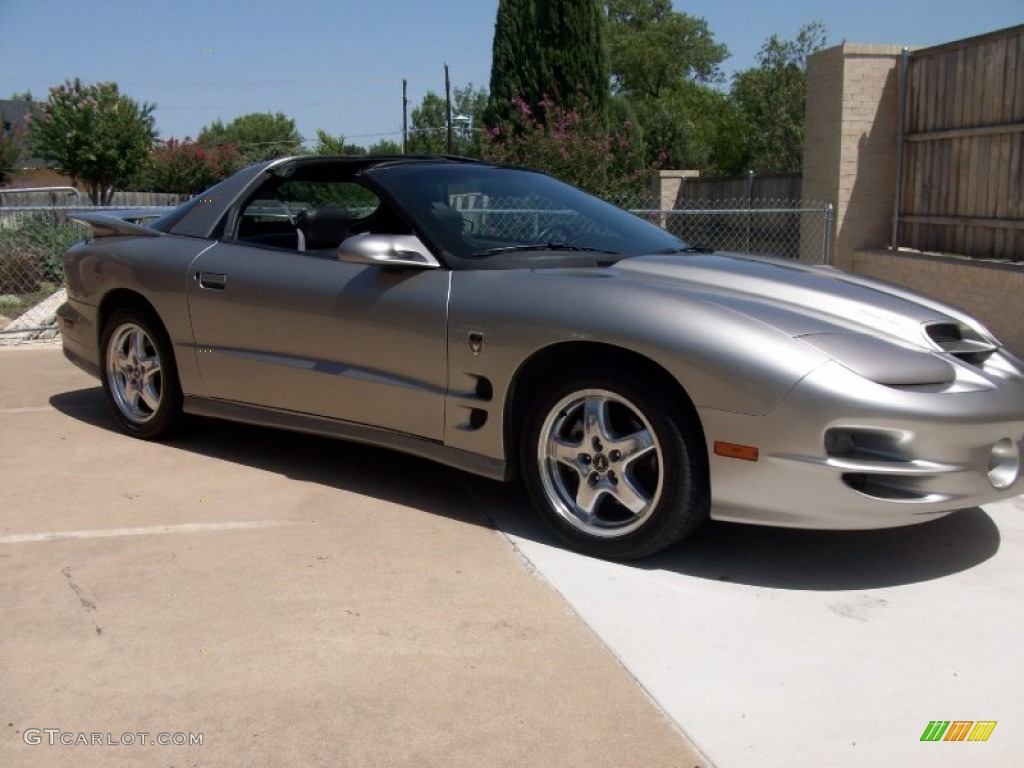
x=19, y=272
x=571, y=144
x=32, y=254
x=187, y=167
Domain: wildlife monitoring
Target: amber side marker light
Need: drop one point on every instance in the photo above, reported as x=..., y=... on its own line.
x=736, y=451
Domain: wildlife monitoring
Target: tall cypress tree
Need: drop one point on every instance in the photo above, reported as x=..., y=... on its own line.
x=548, y=48
x=509, y=60
x=572, y=34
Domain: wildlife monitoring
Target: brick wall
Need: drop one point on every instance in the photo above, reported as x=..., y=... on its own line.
x=822, y=147
x=666, y=186
x=850, y=144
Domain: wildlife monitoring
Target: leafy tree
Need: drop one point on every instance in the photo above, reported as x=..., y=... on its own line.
x=573, y=145
x=384, y=147
x=547, y=52
x=429, y=134
x=258, y=136
x=97, y=135
x=12, y=154
x=770, y=100
x=428, y=131
x=654, y=49
x=663, y=62
x=188, y=167
x=326, y=144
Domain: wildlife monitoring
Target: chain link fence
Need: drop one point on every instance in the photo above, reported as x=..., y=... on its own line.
x=31, y=244
x=33, y=237
x=782, y=228
x=788, y=229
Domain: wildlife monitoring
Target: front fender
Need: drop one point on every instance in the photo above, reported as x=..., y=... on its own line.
x=724, y=360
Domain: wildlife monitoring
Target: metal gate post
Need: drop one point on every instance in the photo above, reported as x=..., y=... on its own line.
x=830, y=220
x=901, y=129
x=750, y=195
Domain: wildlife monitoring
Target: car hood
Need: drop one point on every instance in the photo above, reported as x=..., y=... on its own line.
x=795, y=298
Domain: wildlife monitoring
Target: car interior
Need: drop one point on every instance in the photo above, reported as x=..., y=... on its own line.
x=314, y=217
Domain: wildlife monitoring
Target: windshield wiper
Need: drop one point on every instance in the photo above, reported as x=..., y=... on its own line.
x=687, y=249
x=543, y=247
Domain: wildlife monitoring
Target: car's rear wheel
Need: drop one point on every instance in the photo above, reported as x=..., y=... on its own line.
x=613, y=469
x=140, y=379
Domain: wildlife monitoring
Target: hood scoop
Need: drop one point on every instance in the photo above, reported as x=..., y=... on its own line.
x=961, y=341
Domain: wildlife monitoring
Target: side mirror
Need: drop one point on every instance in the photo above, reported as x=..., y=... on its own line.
x=387, y=251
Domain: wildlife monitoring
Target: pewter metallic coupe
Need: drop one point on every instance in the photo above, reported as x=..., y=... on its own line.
x=499, y=321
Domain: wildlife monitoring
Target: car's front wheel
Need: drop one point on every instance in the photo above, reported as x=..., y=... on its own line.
x=140, y=379
x=613, y=469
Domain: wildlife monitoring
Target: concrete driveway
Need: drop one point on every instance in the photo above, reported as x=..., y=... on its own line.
x=302, y=601
x=776, y=648
x=289, y=601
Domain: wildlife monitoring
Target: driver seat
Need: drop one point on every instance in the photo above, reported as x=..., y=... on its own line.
x=323, y=228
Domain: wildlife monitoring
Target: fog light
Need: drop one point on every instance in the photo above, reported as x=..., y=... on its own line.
x=1004, y=464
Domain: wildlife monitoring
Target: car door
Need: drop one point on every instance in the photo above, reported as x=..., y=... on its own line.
x=305, y=332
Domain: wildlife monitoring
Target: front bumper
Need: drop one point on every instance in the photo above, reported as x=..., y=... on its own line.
x=841, y=452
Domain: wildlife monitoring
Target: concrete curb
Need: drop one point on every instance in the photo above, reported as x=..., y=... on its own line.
x=38, y=325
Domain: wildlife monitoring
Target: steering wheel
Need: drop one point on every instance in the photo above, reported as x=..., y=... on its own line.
x=300, y=235
x=285, y=209
x=556, y=233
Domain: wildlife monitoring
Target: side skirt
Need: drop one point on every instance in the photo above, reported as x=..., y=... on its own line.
x=496, y=469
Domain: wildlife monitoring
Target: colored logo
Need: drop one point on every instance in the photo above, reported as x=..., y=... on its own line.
x=958, y=730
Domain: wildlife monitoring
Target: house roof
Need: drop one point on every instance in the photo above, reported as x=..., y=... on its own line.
x=12, y=117
x=12, y=114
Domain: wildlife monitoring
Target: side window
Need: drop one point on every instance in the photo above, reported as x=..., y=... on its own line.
x=306, y=215
x=358, y=200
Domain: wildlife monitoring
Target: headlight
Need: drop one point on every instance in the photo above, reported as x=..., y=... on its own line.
x=883, y=362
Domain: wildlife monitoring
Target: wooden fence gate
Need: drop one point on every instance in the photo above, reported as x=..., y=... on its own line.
x=961, y=146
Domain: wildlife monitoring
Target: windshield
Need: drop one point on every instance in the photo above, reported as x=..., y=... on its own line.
x=478, y=213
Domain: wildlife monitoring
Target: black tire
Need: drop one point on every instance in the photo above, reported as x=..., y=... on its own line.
x=643, y=463
x=139, y=374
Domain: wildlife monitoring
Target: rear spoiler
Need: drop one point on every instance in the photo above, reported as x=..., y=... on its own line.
x=103, y=225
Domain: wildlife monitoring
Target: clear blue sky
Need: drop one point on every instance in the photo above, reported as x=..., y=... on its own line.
x=339, y=64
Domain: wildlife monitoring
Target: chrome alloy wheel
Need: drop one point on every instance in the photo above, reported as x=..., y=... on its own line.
x=134, y=373
x=601, y=465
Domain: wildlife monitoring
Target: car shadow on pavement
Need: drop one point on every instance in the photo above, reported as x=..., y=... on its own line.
x=777, y=558
x=361, y=469
x=787, y=558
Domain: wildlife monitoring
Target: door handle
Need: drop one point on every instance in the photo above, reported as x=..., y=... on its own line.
x=212, y=280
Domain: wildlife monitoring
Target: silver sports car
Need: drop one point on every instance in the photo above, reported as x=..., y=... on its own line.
x=502, y=322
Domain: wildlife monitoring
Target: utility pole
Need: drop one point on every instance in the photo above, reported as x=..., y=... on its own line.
x=448, y=110
x=405, y=114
